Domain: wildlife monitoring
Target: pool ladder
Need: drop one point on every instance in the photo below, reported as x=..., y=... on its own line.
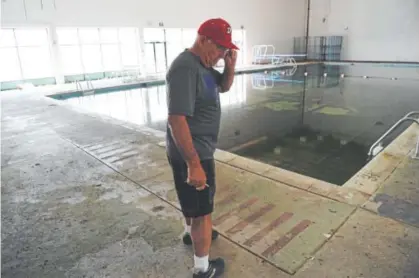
x=408, y=117
x=89, y=87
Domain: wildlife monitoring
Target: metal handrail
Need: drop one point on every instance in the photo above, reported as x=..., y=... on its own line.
x=89, y=86
x=407, y=117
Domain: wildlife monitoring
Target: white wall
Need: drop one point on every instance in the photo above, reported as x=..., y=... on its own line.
x=377, y=30
x=266, y=21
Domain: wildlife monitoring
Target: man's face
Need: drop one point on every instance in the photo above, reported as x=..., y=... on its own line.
x=213, y=52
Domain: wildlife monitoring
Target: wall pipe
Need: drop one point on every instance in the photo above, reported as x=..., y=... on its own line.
x=308, y=26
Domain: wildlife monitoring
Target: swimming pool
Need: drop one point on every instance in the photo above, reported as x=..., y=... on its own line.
x=317, y=120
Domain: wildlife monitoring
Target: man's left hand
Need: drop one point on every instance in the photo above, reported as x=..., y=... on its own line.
x=231, y=58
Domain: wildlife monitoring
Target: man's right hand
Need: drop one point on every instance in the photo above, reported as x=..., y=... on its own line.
x=196, y=176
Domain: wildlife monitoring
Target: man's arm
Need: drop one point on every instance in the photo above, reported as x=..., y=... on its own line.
x=183, y=139
x=228, y=74
x=227, y=79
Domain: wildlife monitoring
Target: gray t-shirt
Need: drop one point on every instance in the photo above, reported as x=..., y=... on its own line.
x=193, y=91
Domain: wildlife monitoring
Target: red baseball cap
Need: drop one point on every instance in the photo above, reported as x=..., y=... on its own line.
x=219, y=31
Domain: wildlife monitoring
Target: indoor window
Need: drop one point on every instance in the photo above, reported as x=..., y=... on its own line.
x=25, y=54
x=92, y=50
x=155, y=50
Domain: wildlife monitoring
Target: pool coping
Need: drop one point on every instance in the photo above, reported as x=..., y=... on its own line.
x=388, y=63
x=369, y=179
x=322, y=188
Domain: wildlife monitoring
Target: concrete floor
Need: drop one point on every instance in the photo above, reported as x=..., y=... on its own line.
x=85, y=196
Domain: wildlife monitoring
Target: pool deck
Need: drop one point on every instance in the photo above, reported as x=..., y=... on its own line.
x=85, y=195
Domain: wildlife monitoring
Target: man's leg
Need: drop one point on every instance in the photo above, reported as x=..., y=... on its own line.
x=197, y=207
x=202, y=228
x=207, y=204
x=201, y=238
x=187, y=239
x=188, y=227
x=201, y=222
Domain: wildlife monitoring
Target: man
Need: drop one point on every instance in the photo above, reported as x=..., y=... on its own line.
x=193, y=88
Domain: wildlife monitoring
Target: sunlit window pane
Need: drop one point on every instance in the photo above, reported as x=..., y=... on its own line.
x=109, y=35
x=149, y=58
x=153, y=34
x=9, y=65
x=71, y=60
x=238, y=39
x=31, y=37
x=174, y=44
x=67, y=36
x=188, y=37
x=111, y=57
x=237, y=35
x=91, y=58
x=173, y=50
x=174, y=35
x=129, y=55
x=35, y=61
x=7, y=38
x=89, y=35
x=128, y=36
x=160, y=57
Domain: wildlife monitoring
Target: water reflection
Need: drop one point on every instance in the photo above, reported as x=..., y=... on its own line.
x=148, y=106
x=266, y=80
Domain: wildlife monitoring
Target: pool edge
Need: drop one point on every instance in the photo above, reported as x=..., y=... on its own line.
x=369, y=178
x=356, y=191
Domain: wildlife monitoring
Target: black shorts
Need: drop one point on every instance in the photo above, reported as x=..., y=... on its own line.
x=194, y=203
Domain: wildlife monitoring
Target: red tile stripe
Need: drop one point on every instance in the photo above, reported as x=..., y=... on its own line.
x=251, y=218
x=283, y=241
x=262, y=233
x=242, y=206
